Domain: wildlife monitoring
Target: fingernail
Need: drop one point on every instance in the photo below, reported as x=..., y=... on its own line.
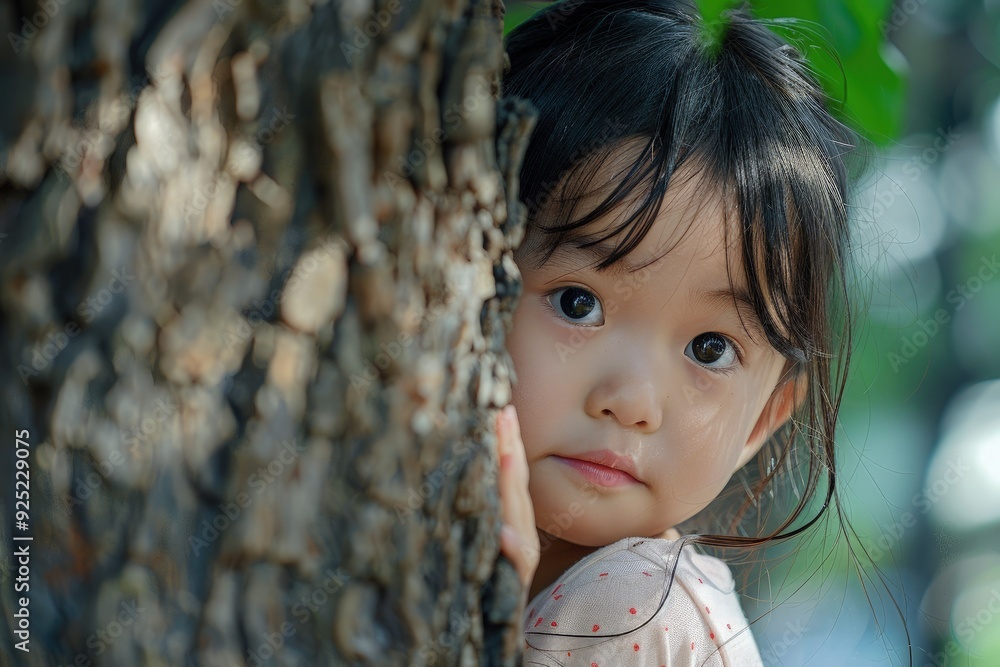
x=512, y=417
x=502, y=433
x=508, y=416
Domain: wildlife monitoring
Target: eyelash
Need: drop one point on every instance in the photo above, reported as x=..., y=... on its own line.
x=737, y=349
x=728, y=370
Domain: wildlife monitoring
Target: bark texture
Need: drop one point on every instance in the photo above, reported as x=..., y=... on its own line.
x=257, y=275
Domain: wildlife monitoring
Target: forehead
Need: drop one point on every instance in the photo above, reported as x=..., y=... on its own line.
x=693, y=218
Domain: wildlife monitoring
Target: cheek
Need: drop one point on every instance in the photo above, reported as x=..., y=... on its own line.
x=699, y=468
x=724, y=413
x=540, y=392
x=531, y=350
x=710, y=436
x=712, y=425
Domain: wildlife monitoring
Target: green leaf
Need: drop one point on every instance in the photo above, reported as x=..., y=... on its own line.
x=844, y=43
x=711, y=13
x=519, y=12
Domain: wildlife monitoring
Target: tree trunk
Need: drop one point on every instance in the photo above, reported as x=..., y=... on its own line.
x=257, y=277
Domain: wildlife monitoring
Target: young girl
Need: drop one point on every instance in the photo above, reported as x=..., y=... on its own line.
x=687, y=225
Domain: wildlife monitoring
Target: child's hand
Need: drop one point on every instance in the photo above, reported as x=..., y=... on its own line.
x=519, y=538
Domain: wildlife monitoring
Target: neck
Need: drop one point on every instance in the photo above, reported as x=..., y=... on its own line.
x=556, y=557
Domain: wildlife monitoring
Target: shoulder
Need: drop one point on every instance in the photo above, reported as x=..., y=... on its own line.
x=640, y=570
x=653, y=600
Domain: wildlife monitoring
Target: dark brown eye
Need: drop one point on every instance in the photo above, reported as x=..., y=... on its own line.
x=575, y=304
x=710, y=349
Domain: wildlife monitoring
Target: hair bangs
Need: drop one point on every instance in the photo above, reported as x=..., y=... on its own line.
x=781, y=153
x=586, y=118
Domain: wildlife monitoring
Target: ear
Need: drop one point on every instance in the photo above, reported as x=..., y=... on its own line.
x=787, y=396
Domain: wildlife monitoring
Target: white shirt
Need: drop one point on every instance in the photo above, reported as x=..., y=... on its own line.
x=620, y=606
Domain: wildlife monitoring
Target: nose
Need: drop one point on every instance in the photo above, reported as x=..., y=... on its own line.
x=630, y=399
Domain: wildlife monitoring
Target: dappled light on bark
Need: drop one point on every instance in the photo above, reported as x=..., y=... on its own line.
x=257, y=275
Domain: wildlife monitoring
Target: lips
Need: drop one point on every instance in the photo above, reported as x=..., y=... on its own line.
x=603, y=467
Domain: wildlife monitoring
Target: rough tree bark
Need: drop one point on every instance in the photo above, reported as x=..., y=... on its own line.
x=256, y=263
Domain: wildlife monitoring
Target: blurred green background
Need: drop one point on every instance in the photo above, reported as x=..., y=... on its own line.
x=920, y=425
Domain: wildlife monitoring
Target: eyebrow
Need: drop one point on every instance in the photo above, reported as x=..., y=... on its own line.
x=744, y=307
x=596, y=252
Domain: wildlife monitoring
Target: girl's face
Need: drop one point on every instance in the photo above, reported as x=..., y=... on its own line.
x=640, y=394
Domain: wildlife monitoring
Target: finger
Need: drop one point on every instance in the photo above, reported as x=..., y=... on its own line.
x=519, y=538
x=513, y=460
x=509, y=443
x=522, y=554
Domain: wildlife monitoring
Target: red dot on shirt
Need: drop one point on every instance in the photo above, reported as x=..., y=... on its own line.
x=666, y=629
x=556, y=597
x=631, y=610
x=647, y=574
x=595, y=628
x=603, y=574
x=708, y=610
x=538, y=622
x=635, y=647
x=692, y=646
x=711, y=635
x=593, y=664
x=553, y=624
